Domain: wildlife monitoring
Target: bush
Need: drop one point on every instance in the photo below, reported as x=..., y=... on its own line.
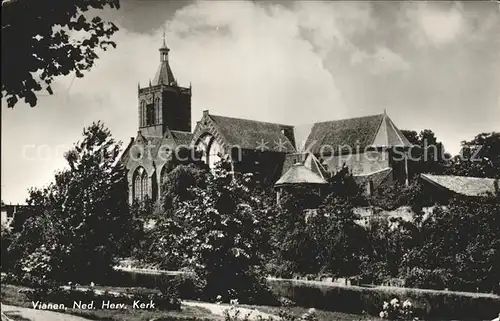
x=186, y=286
x=285, y=269
x=438, y=279
x=395, y=310
x=427, y=303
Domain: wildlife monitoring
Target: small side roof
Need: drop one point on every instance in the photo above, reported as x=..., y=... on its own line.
x=300, y=174
x=468, y=186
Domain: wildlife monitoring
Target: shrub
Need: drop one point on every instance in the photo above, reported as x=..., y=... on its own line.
x=186, y=286
x=395, y=310
x=428, y=279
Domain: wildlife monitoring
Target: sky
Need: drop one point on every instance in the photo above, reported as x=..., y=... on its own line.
x=430, y=65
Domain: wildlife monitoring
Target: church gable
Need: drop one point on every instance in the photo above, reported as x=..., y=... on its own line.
x=167, y=145
x=140, y=155
x=389, y=135
x=207, y=126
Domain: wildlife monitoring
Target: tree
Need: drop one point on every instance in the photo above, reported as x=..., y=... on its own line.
x=219, y=232
x=179, y=181
x=479, y=157
x=6, y=240
x=82, y=218
x=294, y=249
x=39, y=43
x=429, y=153
x=412, y=136
x=457, y=247
x=339, y=238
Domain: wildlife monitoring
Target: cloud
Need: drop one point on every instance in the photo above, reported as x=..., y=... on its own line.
x=433, y=23
x=332, y=25
x=243, y=60
x=382, y=61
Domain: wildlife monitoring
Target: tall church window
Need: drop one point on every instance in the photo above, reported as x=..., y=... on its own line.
x=211, y=149
x=157, y=110
x=142, y=112
x=141, y=184
x=151, y=114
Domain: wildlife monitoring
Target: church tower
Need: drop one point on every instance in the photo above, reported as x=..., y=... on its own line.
x=163, y=104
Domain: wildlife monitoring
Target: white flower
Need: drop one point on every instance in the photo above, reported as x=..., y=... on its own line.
x=407, y=304
x=394, y=302
x=92, y=284
x=381, y=314
x=386, y=305
x=234, y=301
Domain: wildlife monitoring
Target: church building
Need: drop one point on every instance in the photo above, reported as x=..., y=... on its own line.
x=372, y=147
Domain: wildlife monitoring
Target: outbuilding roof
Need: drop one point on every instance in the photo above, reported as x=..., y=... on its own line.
x=300, y=174
x=468, y=186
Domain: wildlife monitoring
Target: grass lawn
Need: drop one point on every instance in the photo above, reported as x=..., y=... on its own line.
x=15, y=317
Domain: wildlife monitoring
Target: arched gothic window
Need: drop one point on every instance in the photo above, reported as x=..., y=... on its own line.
x=151, y=117
x=211, y=149
x=141, y=184
x=142, y=112
x=157, y=110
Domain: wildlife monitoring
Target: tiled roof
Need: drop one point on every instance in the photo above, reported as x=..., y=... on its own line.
x=314, y=165
x=164, y=75
x=469, y=186
x=155, y=142
x=182, y=138
x=124, y=157
x=377, y=177
x=352, y=132
x=292, y=159
x=361, y=132
x=248, y=134
x=299, y=174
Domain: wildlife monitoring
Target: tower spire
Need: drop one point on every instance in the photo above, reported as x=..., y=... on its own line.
x=164, y=74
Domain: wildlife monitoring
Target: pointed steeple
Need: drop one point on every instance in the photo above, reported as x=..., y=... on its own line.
x=164, y=74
